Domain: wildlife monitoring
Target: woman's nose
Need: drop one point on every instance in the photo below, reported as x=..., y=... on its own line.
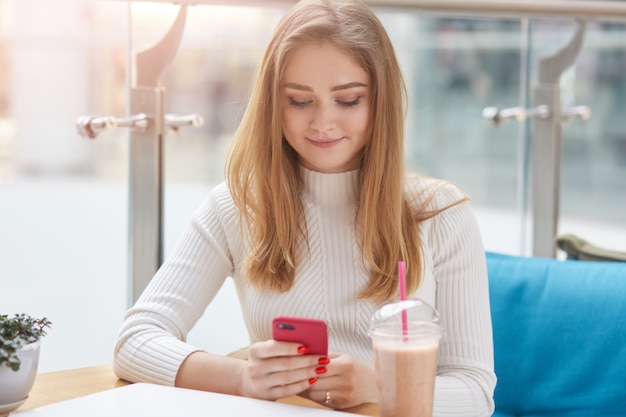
x=323, y=118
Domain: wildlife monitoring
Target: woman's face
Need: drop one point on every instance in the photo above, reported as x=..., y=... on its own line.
x=325, y=108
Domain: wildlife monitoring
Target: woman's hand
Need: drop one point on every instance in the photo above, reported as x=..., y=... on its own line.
x=348, y=381
x=279, y=369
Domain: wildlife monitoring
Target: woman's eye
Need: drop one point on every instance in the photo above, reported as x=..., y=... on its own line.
x=349, y=103
x=297, y=103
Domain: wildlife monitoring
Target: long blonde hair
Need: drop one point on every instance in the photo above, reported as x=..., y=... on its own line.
x=263, y=173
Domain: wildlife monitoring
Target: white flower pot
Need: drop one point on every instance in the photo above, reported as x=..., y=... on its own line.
x=15, y=386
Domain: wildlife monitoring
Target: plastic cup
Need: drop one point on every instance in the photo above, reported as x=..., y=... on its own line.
x=405, y=357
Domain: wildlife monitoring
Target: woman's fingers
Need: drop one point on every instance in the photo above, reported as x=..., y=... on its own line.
x=275, y=375
x=269, y=357
x=273, y=348
x=279, y=369
x=347, y=382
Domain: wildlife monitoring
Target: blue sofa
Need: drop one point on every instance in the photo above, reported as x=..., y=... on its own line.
x=559, y=336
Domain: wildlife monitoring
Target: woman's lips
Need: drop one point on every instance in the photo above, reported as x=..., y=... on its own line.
x=324, y=143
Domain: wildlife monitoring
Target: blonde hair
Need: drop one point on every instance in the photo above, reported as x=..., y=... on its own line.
x=263, y=173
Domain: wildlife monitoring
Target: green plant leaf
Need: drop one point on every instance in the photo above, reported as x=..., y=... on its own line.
x=17, y=332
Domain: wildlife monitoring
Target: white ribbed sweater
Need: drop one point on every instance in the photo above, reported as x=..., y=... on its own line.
x=151, y=344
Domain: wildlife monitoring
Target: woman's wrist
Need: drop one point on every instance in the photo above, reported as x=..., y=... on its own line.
x=208, y=372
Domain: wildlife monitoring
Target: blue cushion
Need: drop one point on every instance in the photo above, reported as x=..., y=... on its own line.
x=559, y=336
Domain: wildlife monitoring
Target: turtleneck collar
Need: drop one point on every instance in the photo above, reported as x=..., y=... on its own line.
x=338, y=189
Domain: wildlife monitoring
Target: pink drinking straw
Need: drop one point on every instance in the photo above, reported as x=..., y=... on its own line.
x=402, y=278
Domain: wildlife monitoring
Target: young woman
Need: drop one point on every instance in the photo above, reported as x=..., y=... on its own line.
x=315, y=214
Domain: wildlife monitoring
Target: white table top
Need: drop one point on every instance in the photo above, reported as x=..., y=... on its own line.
x=139, y=400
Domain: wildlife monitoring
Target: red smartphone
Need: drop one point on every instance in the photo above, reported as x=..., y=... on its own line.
x=312, y=333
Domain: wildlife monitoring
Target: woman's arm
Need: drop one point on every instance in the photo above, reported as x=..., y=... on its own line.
x=466, y=378
x=273, y=370
x=207, y=372
x=151, y=345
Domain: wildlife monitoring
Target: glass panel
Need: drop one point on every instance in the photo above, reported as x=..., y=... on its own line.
x=455, y=67
x=593, y=169
x=63, y=203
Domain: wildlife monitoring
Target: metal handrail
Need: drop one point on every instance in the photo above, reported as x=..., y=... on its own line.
x=602, y=9
x=614, y=10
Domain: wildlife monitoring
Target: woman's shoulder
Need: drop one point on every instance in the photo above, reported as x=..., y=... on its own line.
x=218, y=202
x=432, y=193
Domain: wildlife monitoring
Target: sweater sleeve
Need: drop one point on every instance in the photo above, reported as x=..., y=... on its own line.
x=465, y=379
x=151, y=344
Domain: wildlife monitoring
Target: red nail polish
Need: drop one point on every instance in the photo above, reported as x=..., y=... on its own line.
x=312, y=380
x=320, y=370
x=302, y=350
x=324, y=361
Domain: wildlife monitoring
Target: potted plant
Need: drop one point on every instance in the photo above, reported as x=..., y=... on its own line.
x=20, y=342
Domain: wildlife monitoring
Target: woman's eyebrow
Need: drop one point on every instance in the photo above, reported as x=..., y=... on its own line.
x=296, y=86
x=346, y=86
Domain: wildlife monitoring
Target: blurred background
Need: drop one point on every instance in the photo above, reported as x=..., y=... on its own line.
x=64, y=199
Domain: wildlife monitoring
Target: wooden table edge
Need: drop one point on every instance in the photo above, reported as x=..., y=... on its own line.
x=57, y=386
x=54, y=387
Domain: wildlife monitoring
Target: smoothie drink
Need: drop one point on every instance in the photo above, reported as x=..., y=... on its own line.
x=405, y=340
x=406, y=377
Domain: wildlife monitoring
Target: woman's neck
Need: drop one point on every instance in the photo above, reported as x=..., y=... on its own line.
x=338, y=189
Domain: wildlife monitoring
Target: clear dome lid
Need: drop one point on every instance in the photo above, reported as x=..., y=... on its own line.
x=412, y=317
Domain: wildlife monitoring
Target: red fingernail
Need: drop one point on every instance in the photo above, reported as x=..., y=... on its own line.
x=320, y=370
x=312, y=380
x=302, y=350
x=324, y=361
